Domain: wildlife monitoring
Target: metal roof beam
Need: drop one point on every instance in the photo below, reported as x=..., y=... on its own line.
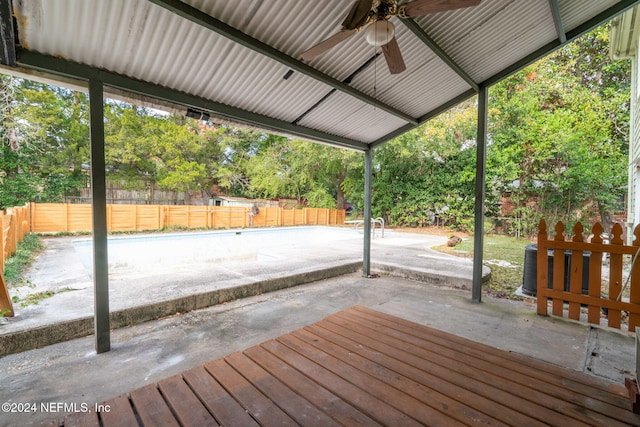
x=198, y=17
x=606, y=15
x=426, y=39
x=62, y=67
x=557, y=20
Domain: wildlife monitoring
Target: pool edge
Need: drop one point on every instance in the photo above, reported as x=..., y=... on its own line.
x=42, y=336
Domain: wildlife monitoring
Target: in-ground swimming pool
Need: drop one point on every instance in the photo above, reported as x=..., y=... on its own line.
x=165, y=250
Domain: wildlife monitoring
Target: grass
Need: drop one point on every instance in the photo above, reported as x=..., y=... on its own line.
x=35, y=298
x=504, y=255
x=18, y=263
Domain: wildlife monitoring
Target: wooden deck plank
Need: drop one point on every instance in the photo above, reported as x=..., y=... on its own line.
x=532, y=389
x=492, y=395
x=259, y=406
x=529, y=401
x=298, y=408
x=373, y=406
x=364, y=367
x=475, y=401
x=185, y=404
x=326, y=401
x=403, y=402
x=119, y=413
x=427, y=333
x=151, y=407
x=82, y=419
x=583, y=395
x=433, y=392
x=613, y=393
x=220, y=403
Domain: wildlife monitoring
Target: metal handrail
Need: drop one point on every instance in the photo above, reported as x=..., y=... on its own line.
x=375, y=221
x=356, y=224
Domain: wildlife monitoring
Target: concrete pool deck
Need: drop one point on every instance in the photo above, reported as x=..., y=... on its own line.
x=140, y=293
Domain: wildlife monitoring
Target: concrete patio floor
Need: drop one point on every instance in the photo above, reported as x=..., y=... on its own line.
x=72, y=373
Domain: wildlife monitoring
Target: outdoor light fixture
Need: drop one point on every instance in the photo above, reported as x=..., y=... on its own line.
x=379, y=33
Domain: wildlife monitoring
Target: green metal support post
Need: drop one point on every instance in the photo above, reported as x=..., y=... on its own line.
x=481, y=163
x=99, y=205
x=366, y=258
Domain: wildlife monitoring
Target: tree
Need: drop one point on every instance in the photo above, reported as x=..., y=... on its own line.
x=44, y=141
x=271, y=166
x=558, y=135
x=322, y=173
x=427, y=173
x=145, y=146
x=237, y=147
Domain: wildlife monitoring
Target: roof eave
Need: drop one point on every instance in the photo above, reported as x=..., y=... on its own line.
x=62, y=68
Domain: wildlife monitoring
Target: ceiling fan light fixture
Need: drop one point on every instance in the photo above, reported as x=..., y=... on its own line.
x=380, y=33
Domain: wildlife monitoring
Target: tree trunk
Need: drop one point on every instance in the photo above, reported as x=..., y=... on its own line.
x=606, y=218
x=339, y=197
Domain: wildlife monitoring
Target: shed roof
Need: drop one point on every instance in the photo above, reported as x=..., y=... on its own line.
x=240, y=60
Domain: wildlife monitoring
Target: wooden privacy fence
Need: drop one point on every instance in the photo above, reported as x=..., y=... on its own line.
x=594, y=298
x=61, y=217
x=15, y=225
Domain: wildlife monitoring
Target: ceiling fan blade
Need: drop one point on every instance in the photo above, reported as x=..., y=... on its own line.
x=393, y=56
x=358, y=15
x=327, y=44
x=424, y=7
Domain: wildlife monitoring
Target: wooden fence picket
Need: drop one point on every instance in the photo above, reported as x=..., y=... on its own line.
x=558, y=270
x=615, y=276
x=595, y=274
x=613, y=303
x=542, y=267
x=575, y=275
x=14, y=226
x=2, y=245
x=6, y=306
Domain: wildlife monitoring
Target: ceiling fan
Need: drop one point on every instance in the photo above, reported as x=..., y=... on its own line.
x=375, y=15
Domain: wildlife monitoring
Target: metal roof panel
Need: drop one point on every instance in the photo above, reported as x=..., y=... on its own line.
x=142, y=40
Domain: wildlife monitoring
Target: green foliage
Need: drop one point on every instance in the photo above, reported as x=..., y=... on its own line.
x=319, y=198
x=36, y=297
x=309, y=172
x=559, y=134
x=17, y=264
x=427, y=175
x=44, y=141
x=144, y=146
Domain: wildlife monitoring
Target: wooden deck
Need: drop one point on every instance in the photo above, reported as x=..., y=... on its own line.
x=363, y=367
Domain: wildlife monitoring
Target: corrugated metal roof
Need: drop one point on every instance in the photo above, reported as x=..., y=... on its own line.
x=186, y=47
x=575, y=12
